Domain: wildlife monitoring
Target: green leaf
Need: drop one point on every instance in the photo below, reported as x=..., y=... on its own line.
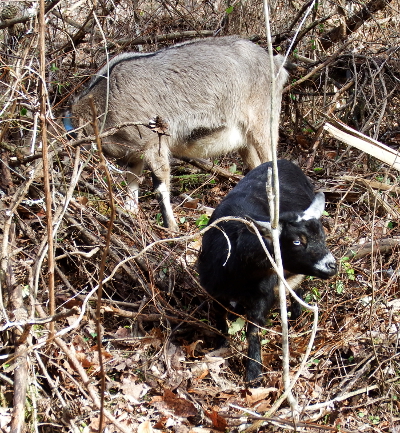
x=236, y=326
x=229, y=10
x=339, y=287
x=202, y=221
x=159, y=219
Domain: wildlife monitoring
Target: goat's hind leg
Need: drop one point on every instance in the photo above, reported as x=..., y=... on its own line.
x=221, y=324
x=158, y=161
x=134, y=170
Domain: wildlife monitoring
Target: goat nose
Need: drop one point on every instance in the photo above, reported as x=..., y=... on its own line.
x=332, y=265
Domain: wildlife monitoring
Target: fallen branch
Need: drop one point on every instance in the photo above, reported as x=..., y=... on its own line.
x=104, y=257
x=374, y=184
x=48, y=319
x=9, y=23
x=327, y=62
x=382, y=246
x=362, y=142
x=206, y=165
x=286, y=422
x=20, y=355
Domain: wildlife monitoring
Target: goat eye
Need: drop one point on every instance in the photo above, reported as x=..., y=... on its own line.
x=296, y=242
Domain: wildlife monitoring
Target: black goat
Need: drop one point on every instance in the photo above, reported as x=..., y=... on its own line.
x=244, y=274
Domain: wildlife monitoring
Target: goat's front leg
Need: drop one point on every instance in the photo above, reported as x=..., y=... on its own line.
x=256, y=316
x=294, y=281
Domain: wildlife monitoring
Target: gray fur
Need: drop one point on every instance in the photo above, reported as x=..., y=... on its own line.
x=213, y=94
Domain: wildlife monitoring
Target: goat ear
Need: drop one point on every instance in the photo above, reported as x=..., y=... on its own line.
x=315, y=209
x=264, y=227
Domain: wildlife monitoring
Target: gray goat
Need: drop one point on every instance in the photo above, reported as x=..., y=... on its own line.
x=214, y=95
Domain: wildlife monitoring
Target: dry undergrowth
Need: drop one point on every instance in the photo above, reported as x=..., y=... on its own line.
x=163, y=369
x=157, y=322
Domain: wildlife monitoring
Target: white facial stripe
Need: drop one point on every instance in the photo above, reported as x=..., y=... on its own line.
x=323, y=264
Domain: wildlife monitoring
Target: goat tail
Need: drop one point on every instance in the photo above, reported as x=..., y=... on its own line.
x=67, y=122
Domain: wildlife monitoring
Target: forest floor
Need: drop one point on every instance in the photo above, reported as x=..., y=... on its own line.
x=163, y=369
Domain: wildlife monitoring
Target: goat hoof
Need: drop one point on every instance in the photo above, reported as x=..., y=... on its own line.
x=131, y=205
x=255, y=383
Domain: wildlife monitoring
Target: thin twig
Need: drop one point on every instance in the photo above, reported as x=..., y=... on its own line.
x=286, y=422
x=45, y=157
x=103, y=260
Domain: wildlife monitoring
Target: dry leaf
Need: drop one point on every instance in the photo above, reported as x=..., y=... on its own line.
x=160, y=423
x=82, y=200
x=303, y=141
x=86, y=363
x=94, y=425
x=156, y=399
x=175, y=356
x=145, y=427
x=189, y=349
x=258, y=394
x=219, y=423
x=123, y=333
x=104, y=352
x=214, y=363
x=191, y=204
x=133, y=391
x=180, y=406
x=202, y=375
x=68, y=302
